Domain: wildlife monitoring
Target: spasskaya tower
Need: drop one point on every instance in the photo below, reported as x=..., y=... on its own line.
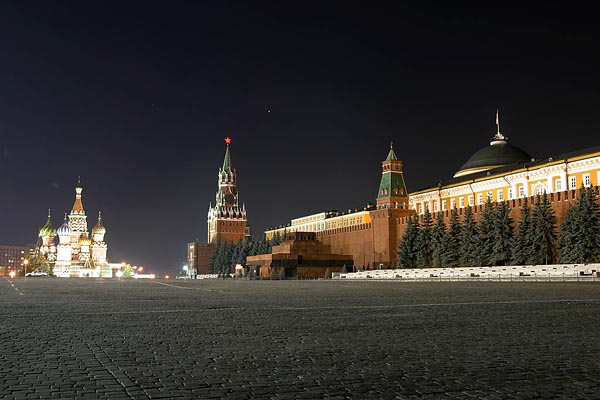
x=227, y=221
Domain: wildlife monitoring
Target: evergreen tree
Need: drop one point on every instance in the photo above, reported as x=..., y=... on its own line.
x=214, y=264
x=567, y=237
x=423, y=243
x=407, y=256
x=452, y=240
x=502, y=233
x=589, y=236
x=469, y=241
x=543, y=232
x=521, y=242
x=228, y=259
x=486, y=233
x=437, y=241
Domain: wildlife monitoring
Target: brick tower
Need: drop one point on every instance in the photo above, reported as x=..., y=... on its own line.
x=226, y=220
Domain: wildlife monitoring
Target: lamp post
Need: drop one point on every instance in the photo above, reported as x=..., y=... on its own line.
x=375, y=254
x=25, y=262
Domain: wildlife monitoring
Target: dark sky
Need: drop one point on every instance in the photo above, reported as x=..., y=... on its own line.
x=136, y=98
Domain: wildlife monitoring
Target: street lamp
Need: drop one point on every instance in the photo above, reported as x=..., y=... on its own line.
x=25, y=262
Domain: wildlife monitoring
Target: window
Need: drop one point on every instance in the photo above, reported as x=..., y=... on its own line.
x=443, y=205
x=480, y=198
x=572, y=182
x=500, y=195
x=587, y=182
x=470, y=200
x=419, y=208
x=521, y=191
x=511, y=194
x=435, y=206
x=453, y=204
x=462, y=202
x=558, y=185
x=489, y=196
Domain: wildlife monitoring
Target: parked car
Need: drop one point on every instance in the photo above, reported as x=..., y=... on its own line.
x=36, y=273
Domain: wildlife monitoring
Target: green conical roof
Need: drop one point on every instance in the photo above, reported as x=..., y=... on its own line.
x=48, y=229
x=227, y=160
x=391, y=155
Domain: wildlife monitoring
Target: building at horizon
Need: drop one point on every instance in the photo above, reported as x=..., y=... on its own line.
x=70, y=250
x=226, y=221
x=499, y=171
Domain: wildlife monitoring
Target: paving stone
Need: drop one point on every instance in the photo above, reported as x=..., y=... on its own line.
x=104, y=339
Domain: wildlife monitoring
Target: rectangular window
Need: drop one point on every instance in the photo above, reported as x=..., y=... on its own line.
x=453, y=204
x=462, y=202
x=480, y=198
x=511, y=195
x=521, y=191
x=587, y=182
x=489, y=196
x=558, y=185
x=572, y=182
x=500, y=195
x=443, y=205
x=435, y=206
x=470, y=200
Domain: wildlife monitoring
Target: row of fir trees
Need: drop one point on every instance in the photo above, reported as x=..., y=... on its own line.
x=228, y=254
x=495, y=239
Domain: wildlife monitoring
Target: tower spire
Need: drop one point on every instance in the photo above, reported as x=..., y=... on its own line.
x=498, y=137
x=391, y=155
x=227, y=160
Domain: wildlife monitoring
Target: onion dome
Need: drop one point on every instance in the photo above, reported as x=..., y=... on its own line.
x=498, y=154
x=85, y=241
x=65, y=231
x=48, y=230
x=99, y=230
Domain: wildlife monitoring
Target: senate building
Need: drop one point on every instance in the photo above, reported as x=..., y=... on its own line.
x=499, y=171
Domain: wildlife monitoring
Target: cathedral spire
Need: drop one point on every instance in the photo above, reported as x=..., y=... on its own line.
x=78, y=205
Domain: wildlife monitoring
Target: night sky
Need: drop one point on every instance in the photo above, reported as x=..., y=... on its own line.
x=137, y=97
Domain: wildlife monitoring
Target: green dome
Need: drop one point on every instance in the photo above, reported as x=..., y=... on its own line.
x=498, y=154
x=48, y=230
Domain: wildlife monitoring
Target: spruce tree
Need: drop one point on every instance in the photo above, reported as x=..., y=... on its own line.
x=468, y=253
x=543, y=231
x=437, y=241
x=567, y=237
x=502, y=233
x=423, y=243
x=486, y=233
x=407, y=257
x=452, y=240
x=521, y=242
x=589, y=238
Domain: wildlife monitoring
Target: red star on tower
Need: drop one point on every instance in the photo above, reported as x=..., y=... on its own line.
x=227, y=140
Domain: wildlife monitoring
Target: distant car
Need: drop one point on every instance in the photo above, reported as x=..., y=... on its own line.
x=36, y=273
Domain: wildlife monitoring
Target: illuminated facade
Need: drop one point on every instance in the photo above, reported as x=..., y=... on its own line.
x=226, y=222
x=75, y=253
x=505, y=173
x=499, y=171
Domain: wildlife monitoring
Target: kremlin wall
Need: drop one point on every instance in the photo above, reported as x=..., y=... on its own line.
x=369, y=236
x=498, y=171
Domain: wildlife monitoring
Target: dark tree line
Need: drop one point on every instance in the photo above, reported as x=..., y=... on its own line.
x=228, y=254
x=498, y=240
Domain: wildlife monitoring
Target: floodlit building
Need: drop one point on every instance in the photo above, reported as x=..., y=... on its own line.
x=227, y=220
x=70, y=250
x=499, y=171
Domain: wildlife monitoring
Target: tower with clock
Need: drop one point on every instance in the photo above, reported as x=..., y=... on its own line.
x=227, y=221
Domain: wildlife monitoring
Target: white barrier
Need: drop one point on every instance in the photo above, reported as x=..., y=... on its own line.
x=512, y=272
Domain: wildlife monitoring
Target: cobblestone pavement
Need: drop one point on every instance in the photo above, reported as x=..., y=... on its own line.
x=214, y=339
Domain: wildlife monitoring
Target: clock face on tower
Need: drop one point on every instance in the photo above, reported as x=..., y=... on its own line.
x=229, y=199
